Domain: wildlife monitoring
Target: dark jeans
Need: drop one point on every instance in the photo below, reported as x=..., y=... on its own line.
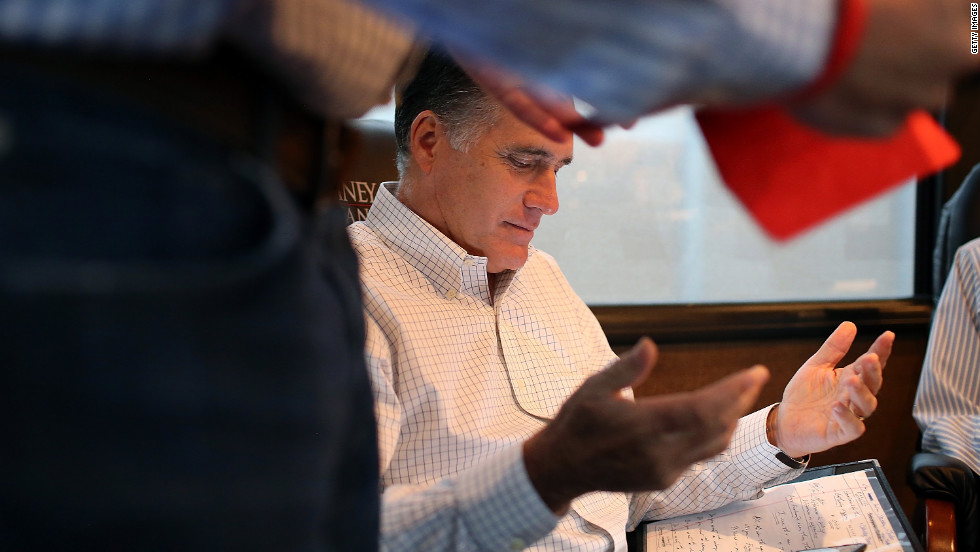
x=181, y=363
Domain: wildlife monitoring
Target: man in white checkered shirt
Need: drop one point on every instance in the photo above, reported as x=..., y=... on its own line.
x=505, y=420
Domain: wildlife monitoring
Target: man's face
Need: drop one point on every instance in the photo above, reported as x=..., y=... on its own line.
x=491, y=199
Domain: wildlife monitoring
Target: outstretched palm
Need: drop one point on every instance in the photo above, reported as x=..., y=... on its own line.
x=824, y=406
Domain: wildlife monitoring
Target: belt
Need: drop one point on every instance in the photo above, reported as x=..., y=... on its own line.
x=226, y=97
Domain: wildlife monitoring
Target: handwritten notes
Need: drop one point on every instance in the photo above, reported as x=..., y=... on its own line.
x=833, y=510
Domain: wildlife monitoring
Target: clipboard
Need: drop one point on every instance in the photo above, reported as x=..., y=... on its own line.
x=637, y=539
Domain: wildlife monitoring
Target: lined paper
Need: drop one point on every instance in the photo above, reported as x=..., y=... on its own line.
x=828, y=511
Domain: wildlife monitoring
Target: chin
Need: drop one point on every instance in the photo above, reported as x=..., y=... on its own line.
x=506, y=264
x=515, y=263
x=512, y=258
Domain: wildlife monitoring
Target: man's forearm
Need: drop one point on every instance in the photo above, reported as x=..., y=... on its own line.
x=672, y=51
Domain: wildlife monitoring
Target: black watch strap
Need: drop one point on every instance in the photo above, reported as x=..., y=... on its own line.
x=795, y=463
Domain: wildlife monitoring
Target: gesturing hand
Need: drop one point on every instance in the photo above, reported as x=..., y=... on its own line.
x=547, y=112
x=600, y=440
x=824, y=406
x=910, y=55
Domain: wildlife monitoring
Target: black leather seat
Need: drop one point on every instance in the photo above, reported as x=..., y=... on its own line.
x=947, y=515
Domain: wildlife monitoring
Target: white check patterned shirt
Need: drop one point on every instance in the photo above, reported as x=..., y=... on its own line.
x=947, y=404
x=462, y=380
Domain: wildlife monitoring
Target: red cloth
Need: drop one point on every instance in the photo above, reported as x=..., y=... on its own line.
x=791, y=177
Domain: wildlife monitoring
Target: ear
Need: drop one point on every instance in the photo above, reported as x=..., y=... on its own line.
x=425, y=134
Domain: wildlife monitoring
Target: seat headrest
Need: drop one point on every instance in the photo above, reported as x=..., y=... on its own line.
x=959, y=222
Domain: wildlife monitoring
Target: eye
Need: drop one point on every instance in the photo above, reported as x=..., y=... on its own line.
x=520, y=163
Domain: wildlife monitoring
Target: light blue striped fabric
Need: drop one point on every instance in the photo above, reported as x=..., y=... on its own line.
x=127, y=26
x=625, y=58
x=628, y=57
x=947, y=405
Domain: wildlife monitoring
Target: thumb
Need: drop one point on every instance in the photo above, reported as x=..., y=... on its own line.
x=630, y=370
x=836, y=346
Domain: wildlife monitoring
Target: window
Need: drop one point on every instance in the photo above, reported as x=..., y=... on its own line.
x=645, y=220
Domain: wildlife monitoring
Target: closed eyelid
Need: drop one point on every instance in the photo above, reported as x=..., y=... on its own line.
x=534, y=157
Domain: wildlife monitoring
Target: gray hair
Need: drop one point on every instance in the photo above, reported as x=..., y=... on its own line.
x=461, y=106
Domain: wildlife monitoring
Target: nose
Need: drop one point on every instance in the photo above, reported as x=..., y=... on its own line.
x=543, y=194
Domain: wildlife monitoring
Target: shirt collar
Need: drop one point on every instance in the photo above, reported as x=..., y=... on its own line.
x=442, y=261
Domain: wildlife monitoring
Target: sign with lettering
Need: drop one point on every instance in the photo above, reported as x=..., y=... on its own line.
x=357, y=197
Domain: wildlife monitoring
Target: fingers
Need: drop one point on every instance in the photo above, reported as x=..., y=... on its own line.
x=861, y=397
x=530, y=112
x=590, y=133
x=850, y=424
x=869, y=369
x=871, y=375
x=630, y=370
x=704, y=426
x=695, y=446
x=883, y=347
x=910, y=54
x=685, y=428
x=551, y=114
x=870, y=366
x=836, y=346
x=720, y=403
x=744, y=386
x=597, y=442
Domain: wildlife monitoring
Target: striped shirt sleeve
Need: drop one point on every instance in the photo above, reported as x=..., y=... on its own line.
x=129, y=27
x=630, y=57
x=947, y=404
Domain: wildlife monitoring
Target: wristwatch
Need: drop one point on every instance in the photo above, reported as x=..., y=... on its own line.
x=795, y=463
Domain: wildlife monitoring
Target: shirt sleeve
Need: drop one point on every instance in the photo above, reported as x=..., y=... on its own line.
x=492, y=506
x=739, y=473
x=669, y=51
x=119, y=27
x=947, y=403
x=339, y=57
